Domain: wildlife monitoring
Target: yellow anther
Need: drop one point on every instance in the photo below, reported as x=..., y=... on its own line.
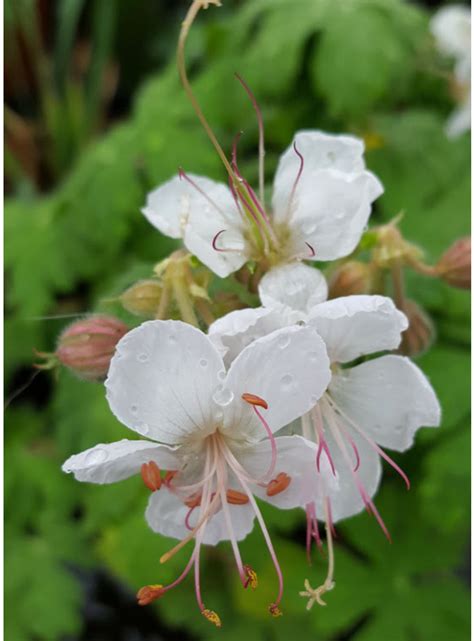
x=252, y=579
x=213, y=617
x=275, y=610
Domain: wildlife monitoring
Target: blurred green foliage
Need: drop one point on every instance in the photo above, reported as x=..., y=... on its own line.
x=362, y=66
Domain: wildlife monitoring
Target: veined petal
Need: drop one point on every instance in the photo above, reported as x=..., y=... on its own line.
x=319, y=151
x=236, y=330
x=111, y=462
x=289, y=369
x=330, y=211
x=161, y=381
x=352, y=326
x=166, y=514
x=295, y=286
x=296, y=458
x=388, y=398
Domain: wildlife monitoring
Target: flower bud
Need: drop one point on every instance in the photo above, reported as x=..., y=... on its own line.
x=420, y=332
x=454, y=266
x=87, y=346
x=143, y=298
x=350, y=278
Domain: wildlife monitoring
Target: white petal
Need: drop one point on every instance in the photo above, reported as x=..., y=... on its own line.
x=289, y=369
x=459, y=121
x=294, y=285
x=234, y=331
x=161, y=380
x=166, y=514
x=451, y=26
x=111, y=462
x=296, y=457
x=319, y=151
x=352, y=326
x=330, y=212
x=180, y=210
x=388, y=398
x=342, y=491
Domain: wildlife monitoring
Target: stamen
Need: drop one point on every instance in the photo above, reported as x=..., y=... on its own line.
x=315, y=595
x=212, y=616
x=149, y=593
x=193, y=501
x=297, y=179
x=323, y=446
x=151, y=475
x=278, y=484
x=252, y=579
x=214, y=240
x=275, y=610
x=253, y=399
x=235, y=497
x=311, y=249
x=169, y=476
x=261, y=139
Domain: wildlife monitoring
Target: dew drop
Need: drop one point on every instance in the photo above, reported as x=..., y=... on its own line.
x=314, y=357
x=283, y=341
x=339, y=215
x=203, y=362
x=143, y=358
x=287, y=381
x=223, y=396
x=309, y=228
x=172, y=338
x=294, y=288
x=143, y=428
x=97, y=456
x=221, y=374
x=134, y=409
x=219, y=415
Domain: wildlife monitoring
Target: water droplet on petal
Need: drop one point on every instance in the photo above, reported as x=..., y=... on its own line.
x=309, y=228
x=143, y=428
x=143, y=358
x=339, y=215
x=293, y=288
x=172, y=338
x=203, y=362
x=283, y=341
x=134, y=409
x=96, y=456
x=223, y=396
x=287, y=381
x=221, y=374
x=314, y=357
x=219, y=415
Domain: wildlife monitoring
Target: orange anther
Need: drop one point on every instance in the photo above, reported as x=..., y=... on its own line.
x=149, y=593
x=193, y=501
x=234, y=497
x=253, y=399
x=278, y=484
x=213, y=617
x=169, y=476
x=151, y=476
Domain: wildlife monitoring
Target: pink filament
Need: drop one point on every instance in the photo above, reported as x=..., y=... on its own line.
x=323, y=446
x=271, y=439
x=311, y=249
x=214, y=241
x=297, y=179
x=182, y=175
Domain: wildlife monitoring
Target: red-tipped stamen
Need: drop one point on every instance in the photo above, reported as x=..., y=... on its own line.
x=297, y=179
x=311, y=249
x=261, y=139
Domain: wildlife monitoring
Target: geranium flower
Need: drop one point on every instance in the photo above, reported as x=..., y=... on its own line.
x=212, y=431
x=451, y=27
x=379, y=403
x=322, y=199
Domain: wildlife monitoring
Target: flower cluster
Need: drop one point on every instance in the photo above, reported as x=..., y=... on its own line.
x=289, y=403
x=293, y=402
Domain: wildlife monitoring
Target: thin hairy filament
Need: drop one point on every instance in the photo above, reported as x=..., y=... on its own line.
x=261, y=140
x=194, y=9
x=372, y=443
x=295, y=184
x=267, y=538
x=272, y=440
x=182, y=175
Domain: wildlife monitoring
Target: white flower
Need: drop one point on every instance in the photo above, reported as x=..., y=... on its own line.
x=379, y=403
x=322, y=199
x=213, y=432
x=451, y=27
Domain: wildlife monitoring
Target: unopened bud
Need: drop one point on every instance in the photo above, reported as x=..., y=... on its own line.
x=392, y=249
x=87, y=346
x=420, y=332
x=454, y=266
x=350, y=278
x=143, y=298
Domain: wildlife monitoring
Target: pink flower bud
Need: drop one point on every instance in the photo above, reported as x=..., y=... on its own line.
x=350, y=278
x=87, y=346
x=420, y=333
x=454, y=266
